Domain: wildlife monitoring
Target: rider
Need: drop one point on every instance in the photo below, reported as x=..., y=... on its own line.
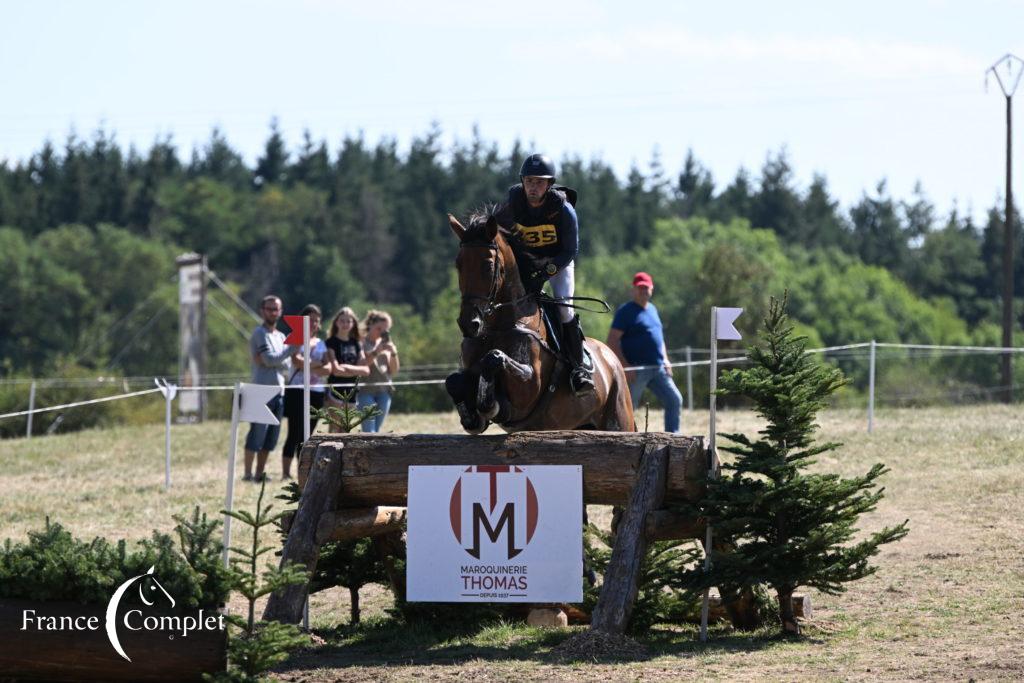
x=542, y=220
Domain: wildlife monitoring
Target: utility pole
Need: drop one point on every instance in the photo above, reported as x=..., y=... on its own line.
x=1012, y=66
x=192, y=272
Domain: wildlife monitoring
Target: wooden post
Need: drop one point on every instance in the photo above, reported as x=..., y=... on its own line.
x=320, y=495
x=621, y=581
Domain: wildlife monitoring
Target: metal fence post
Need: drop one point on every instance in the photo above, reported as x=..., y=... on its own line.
x=871, y=388
x=31, y=408
x=689, y=379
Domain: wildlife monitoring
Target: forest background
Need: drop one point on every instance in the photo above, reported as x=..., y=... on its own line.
x=89, y=233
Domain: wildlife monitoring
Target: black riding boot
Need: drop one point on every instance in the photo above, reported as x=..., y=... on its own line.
x=580, y=380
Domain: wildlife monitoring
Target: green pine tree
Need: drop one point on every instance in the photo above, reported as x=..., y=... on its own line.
x=789, y=527
x=258, y=645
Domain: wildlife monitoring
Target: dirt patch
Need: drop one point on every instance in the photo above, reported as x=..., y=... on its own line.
x=595, y=646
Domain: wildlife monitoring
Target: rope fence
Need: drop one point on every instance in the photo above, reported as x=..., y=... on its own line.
x=857, y=351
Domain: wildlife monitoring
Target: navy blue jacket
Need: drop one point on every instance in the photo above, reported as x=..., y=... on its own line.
x=549, y=233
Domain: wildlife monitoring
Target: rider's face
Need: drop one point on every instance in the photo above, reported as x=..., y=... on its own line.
x=535, y=187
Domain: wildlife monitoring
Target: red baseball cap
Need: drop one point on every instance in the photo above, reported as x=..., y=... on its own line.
x=642, y=278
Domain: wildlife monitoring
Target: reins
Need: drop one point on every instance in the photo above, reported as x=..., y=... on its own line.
x=491, y=306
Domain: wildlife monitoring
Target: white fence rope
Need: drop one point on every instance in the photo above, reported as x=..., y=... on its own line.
x=56, y=382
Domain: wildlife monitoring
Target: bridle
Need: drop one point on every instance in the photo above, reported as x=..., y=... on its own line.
x=490, y=306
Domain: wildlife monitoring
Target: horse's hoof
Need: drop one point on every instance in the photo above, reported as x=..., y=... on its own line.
x=478, y=427
x=489, y=412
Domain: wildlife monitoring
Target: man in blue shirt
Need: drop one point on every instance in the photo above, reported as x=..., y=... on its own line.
x=638, y=339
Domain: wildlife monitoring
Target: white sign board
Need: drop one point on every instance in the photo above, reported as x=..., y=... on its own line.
x=495, y=533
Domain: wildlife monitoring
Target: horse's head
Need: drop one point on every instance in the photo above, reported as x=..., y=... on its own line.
x=484, y=263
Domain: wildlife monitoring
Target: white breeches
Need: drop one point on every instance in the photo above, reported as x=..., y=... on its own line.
x=563, y=284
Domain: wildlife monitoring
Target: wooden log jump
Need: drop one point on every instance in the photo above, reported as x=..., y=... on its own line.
x=356, y=485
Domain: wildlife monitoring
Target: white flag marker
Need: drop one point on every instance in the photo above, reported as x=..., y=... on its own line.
x=724, y=328
x=254, y=403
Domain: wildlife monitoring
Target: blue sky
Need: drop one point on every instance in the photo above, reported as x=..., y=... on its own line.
x=865, y=91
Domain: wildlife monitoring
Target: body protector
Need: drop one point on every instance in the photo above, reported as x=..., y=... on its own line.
x=541, y=237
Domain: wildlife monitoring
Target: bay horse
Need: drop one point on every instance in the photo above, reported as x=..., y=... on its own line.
x=511, y=374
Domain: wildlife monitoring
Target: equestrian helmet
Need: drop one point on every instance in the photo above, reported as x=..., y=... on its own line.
x=539, y=166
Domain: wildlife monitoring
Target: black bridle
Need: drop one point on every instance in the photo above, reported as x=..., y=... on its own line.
x=490, y=306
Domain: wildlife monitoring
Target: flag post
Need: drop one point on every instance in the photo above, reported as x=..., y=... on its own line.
x=232, y=451
x=305, y=421
x=249, y=405
x=169, y=391
x=722, y=320
x=713, y=375
x=305, y=378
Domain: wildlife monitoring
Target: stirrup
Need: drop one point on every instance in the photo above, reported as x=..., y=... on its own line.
x=581, y=382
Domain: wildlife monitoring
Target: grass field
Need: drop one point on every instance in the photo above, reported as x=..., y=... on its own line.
x=946, y=603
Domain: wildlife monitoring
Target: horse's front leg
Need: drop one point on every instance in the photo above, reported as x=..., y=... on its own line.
x=489, y=403
x=459, y=386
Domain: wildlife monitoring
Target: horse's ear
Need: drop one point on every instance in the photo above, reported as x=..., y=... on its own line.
x=492, y=227
x=456, y=226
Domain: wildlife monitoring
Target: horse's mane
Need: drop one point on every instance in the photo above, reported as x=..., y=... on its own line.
x=476, y=225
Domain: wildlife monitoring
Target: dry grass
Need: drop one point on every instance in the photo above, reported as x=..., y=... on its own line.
x=945, y=604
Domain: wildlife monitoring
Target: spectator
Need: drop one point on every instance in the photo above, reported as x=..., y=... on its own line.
x=271, y=360
x=382, y=357
x=638, y=339
x=346, y=360
x=318, y=369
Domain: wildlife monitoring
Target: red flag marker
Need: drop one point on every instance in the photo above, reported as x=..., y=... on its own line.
x=294, y=322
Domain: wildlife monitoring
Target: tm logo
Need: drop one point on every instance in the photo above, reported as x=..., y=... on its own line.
x=147, y=583
x=487, y=516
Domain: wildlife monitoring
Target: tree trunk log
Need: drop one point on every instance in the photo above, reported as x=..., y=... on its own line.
x=354, y=613
x=352, y=523
x=375, y=466
x=301, y=547
x=622, y=578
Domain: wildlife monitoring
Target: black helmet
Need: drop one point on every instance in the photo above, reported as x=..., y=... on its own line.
x=538, y=165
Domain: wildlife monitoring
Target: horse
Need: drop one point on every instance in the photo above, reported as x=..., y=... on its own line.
x=510, y=373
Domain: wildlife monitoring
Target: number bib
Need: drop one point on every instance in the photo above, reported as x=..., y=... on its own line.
x=537, y=235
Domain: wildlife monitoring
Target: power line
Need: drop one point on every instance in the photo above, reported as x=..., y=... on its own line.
x=231, y=295
x=149, y=323
x=224, y=313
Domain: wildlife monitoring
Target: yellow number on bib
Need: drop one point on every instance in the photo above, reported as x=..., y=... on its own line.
x=539, y=235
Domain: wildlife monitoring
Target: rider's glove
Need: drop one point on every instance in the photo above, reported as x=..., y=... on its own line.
x=535, y=281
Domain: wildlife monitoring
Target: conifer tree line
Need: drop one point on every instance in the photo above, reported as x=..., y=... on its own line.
x=89, y=229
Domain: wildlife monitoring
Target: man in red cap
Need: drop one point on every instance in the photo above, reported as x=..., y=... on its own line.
x=638, y=339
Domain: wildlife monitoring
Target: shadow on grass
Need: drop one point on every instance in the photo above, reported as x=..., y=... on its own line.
x=385, y=641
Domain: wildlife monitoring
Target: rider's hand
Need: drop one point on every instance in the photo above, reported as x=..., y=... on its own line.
x=535, y=281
